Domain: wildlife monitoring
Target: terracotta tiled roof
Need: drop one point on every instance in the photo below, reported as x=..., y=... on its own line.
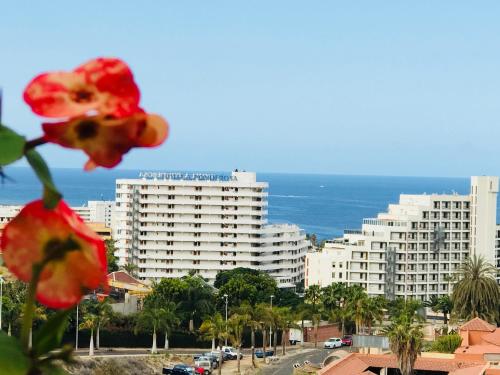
x=493, y=338
x=477, y=324
x=476, y=370
x=123, y=277
x=347, y=365
x=478, y=349
x=357, y=363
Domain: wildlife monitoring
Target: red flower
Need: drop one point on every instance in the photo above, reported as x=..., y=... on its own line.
x=105, y=85
x=105, y=139
x=74, y=257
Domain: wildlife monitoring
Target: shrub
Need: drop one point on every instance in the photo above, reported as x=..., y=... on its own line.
x=447, y=343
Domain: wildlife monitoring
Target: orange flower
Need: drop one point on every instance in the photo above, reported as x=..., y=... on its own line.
x=105, y=139
x=74, y=257
x=104, y=85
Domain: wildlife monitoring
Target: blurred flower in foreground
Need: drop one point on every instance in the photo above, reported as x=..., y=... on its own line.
x=72, y=255
x=104, y=85
x=99, y=102
x=106, y=139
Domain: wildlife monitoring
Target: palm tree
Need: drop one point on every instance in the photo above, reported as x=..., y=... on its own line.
x=90, y=322
x=357, y=303
x=316, y=319
x=476, y=293
x=302, y=314
x=103, y=312
x=332, y=296
x=214, y=328
x=155, y=319
x=374, y=312
x=313, y=297
x=252, y=322
x=442, y=304
x=405, y=338
x=275, y=315
x=130, y=268
x=262, y=312
x=236, y=325
x=288, y=321
x=341, y=315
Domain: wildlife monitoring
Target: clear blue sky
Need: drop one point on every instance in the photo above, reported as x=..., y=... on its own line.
x=351, y=87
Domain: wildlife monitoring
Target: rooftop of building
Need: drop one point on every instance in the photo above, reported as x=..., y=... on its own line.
x=357, y=364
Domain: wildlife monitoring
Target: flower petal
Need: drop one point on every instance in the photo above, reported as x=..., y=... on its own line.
x=155, y=132
x=30, y=239
x=103, y=85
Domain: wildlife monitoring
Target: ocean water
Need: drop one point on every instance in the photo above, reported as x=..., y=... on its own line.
x=321, y=204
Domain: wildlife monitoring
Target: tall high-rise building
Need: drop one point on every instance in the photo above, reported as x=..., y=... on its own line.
x=415, y=248
x=170, y=224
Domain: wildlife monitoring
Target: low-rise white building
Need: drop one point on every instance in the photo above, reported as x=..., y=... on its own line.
x=415, y=248
x=93, y=212
x=170, y=224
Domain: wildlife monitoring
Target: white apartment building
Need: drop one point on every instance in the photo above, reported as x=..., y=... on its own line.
x=413, y=249
x=169, y=224
x=94, y=211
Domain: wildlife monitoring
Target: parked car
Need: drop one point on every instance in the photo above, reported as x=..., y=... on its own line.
x=332, y=343
x=182, y=370
x=347, y=340
x=231, y=352
x=205, y=363
x=260, y=354
x=214, y=358
x=216, y=353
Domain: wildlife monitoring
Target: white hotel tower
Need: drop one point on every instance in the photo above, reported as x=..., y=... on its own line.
x=415, y=248
x=169, y=224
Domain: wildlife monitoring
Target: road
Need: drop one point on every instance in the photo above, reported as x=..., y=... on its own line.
x=285, y=365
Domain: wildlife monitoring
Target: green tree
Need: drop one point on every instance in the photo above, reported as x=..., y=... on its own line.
x=476, y=293
x=253, y=323
x=357, y=304
x=89, y=322
x=405, y=338
x=197, y=300
x=214, y=328
x=130, y=268
x=14, y=297
x=154, y=318
x=374, y=312
x=313, y=298
x=288, y=321
x=236, y=325
x=262, y=313
x=110, y=255
x=332, y=295
x=442, y=304
x=244, y=284
x=104, y=314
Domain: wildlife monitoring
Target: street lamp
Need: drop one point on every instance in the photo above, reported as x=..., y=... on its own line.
x=225, y=296
x=270, y=328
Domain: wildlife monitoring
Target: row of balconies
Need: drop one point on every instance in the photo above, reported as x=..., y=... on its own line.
x=202, y=211
x=203, y=202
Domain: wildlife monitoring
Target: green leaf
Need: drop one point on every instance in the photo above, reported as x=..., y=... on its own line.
x=11, y=146
x=51, y=195
x=13, y=360
x=50, y=335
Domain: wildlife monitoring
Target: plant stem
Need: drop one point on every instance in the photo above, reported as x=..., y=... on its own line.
x=29, y=309
x=34, y=143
